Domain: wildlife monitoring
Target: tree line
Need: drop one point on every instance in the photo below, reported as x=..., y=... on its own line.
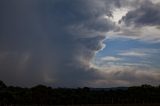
x=41, y=94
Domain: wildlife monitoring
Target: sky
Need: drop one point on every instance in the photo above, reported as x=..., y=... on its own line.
x=77, y=43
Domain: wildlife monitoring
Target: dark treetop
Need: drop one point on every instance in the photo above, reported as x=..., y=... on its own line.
x=41, y=94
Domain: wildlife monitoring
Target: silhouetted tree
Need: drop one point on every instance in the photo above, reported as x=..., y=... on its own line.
x=43, y=95
x=2, y=85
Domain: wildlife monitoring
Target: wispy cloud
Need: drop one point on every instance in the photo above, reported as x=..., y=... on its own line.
x=133, y=54
x=139, y=52
x=128, y=76
x=137, y=57
x=110, y=58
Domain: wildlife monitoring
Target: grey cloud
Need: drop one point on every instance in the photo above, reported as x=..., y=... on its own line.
x=54, y=41
x=129, y=76
x=39, y=42
x=147, y=13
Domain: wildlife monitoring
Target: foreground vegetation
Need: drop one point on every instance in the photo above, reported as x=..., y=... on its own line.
x=41, y=94
x=90, y=105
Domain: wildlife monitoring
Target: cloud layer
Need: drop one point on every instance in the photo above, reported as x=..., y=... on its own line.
x=53, y=42
x=147, y=13
x=50, y=41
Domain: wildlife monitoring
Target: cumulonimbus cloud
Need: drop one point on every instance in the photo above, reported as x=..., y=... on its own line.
x=52, y=41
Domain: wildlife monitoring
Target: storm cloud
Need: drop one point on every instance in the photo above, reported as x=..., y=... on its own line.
x=51, y=42
x=54, y=42
x=147, y=13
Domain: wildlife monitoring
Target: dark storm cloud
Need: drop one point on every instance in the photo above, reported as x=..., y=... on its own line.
x=52, y=41
x=147, y=13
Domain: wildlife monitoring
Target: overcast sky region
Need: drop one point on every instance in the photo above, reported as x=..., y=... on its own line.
x=77, y=43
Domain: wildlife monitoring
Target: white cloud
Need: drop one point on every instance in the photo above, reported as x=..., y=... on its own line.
x=139, y=52
x=117, y=14
x=110, y=58
x=133, y=54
